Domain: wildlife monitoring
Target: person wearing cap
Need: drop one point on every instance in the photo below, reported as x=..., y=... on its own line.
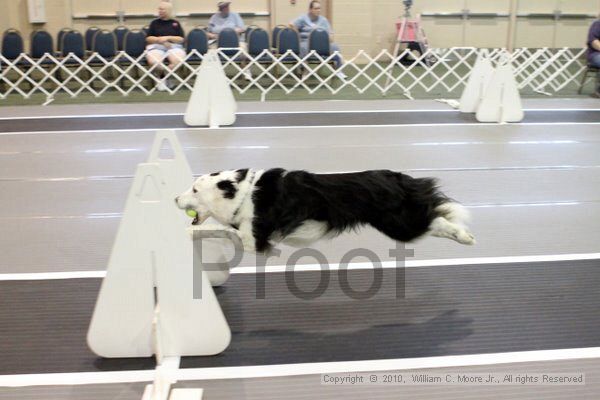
x=306, y=23
x=225, y=19
x=165, y=40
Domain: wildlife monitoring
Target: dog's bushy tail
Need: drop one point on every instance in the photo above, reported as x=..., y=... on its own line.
x=454, y=212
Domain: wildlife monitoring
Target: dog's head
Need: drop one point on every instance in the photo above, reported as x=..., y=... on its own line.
x=213, y=195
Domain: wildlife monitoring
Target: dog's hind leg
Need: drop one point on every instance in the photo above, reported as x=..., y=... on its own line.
x=441, y=227
x=306, y=234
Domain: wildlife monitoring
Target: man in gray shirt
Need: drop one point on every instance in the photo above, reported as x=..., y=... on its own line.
x=313, y=20
x=225, y=19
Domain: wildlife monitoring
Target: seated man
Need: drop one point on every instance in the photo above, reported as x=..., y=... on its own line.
x=165, y=39
x=225, y=19
x=593, y=44
x=312, y=20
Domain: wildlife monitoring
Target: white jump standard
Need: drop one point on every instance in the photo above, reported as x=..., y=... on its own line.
x=146, y=304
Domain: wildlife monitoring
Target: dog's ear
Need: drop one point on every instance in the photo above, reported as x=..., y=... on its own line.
x=228, y=188
x=241, y=174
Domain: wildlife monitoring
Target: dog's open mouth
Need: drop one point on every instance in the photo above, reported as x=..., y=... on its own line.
x=196, y=220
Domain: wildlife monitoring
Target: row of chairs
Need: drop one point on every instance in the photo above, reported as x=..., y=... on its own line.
x=104, y=43
x=133, y=42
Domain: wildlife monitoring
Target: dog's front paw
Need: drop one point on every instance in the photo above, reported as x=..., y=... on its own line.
x=463, y=236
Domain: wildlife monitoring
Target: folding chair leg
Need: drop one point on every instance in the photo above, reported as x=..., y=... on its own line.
x=137, y=73
x=89, y=79
x=121, y=80
x=3, y=85
x=111, y=75
x=23, y=70
x=582, y=83
x=58, y=75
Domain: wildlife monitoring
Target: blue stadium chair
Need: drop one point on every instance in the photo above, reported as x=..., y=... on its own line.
x=12, y=47
x=249, y=30
x=228, y=38
x=275, y=36
x=258, y=42
x=89, y=37
x=41, y=43
x=72, y=42
x=105, y=44
x=12, y=44
x=59, y=38
x=134, y=43
x=318, y=41
x=288, y=39
x=120, y=32
x=197, y=40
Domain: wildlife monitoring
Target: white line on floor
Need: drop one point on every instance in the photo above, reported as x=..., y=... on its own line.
x=37, y=276
x=125, y=115
x=473, y=124
x=311, y=146
x=80, y=116
x=282, y=370
x=37, y=117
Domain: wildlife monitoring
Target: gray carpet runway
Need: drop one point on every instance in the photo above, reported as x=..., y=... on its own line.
x=63, y=193
x=283, y=120
x=417, y=312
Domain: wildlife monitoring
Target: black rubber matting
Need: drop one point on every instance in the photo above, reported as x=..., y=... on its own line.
x=283, y=119
x=417, y=312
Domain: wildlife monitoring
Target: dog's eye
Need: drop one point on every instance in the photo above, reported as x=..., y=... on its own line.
x=194, y=190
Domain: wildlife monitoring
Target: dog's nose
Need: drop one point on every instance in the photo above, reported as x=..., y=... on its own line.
x=177, y=200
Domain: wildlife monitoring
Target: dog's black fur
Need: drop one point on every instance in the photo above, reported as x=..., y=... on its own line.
x=396, y=204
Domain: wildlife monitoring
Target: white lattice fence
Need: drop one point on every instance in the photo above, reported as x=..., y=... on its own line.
x=543, y=70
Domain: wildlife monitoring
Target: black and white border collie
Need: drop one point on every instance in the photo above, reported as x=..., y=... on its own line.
x=297, y=208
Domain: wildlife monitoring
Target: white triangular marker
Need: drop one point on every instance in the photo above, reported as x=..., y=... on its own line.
x=212, y=102
x=176, y=171
x=502, y=101
x=476, y=86
x=178, y=177
x=153, y=253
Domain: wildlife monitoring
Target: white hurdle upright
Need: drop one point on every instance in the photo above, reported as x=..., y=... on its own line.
x=146, y=304
x=492, y=93
x=179, y=178
x=502, y=100
x=476, y=85
x=212, y=102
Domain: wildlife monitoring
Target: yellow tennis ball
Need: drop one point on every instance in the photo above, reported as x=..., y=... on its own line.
x=191, y=213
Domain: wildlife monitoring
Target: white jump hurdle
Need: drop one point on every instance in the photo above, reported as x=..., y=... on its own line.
x=146, y=304
x=212, y=102
x=492, y=93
